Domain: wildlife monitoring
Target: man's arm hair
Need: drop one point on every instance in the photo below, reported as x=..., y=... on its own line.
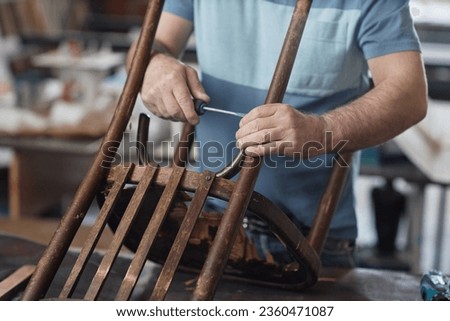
x=171, y=37
x=397, y=102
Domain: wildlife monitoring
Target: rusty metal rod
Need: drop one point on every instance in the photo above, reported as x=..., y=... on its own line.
x=234, y=213
x=60, y=242
x=328, y=203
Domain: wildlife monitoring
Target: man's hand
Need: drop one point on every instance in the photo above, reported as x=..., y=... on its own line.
x=282, y=130
x=169, y=86
x=398, y=101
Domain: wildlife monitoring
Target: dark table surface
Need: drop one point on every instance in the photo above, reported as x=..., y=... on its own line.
x=334, y=285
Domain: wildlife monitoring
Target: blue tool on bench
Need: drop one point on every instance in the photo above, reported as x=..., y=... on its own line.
x=435, y=286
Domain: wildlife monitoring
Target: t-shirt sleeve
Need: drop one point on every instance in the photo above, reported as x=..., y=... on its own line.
x=386, y=27
x=181, y=8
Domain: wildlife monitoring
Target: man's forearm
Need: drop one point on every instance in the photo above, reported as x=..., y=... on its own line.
x=394, y=105
x=171, y=37
x=156, y=48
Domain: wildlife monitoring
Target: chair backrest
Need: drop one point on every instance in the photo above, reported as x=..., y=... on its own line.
x=137, y=199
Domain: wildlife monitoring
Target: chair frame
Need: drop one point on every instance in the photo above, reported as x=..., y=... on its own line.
x=239, y=194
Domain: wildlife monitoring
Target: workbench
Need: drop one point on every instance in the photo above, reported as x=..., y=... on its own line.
x=334, y=285
x=45, y=171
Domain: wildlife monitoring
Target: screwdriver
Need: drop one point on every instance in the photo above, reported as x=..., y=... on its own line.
x=201, y=108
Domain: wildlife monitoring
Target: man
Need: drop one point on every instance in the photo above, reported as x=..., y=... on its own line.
x=329, y=105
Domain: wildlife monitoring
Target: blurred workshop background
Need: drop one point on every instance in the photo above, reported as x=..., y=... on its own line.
x=62, y=70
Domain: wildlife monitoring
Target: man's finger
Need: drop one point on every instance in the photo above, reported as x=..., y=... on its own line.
x=186, y=105
x=195, y=86
x=258, y=113
x=172, y=108
x=255, y=126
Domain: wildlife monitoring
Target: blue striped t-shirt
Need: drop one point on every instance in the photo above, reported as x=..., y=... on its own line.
x=238, y=43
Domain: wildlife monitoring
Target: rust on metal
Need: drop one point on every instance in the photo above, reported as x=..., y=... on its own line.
x=121, y=232
x=149, y=236
x=168, y=271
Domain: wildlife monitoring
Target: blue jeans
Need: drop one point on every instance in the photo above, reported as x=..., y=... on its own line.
x=336, y=253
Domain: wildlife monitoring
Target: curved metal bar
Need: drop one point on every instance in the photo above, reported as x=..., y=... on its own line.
x=233, y=168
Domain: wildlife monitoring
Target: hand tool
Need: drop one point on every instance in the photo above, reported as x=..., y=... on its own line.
x=201, y=108
x=435, y=286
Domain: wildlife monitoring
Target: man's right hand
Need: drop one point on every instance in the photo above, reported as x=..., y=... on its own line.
x=169, y=85
x=168, y=88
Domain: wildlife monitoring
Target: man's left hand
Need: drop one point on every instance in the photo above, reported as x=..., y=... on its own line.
x=282, y=130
